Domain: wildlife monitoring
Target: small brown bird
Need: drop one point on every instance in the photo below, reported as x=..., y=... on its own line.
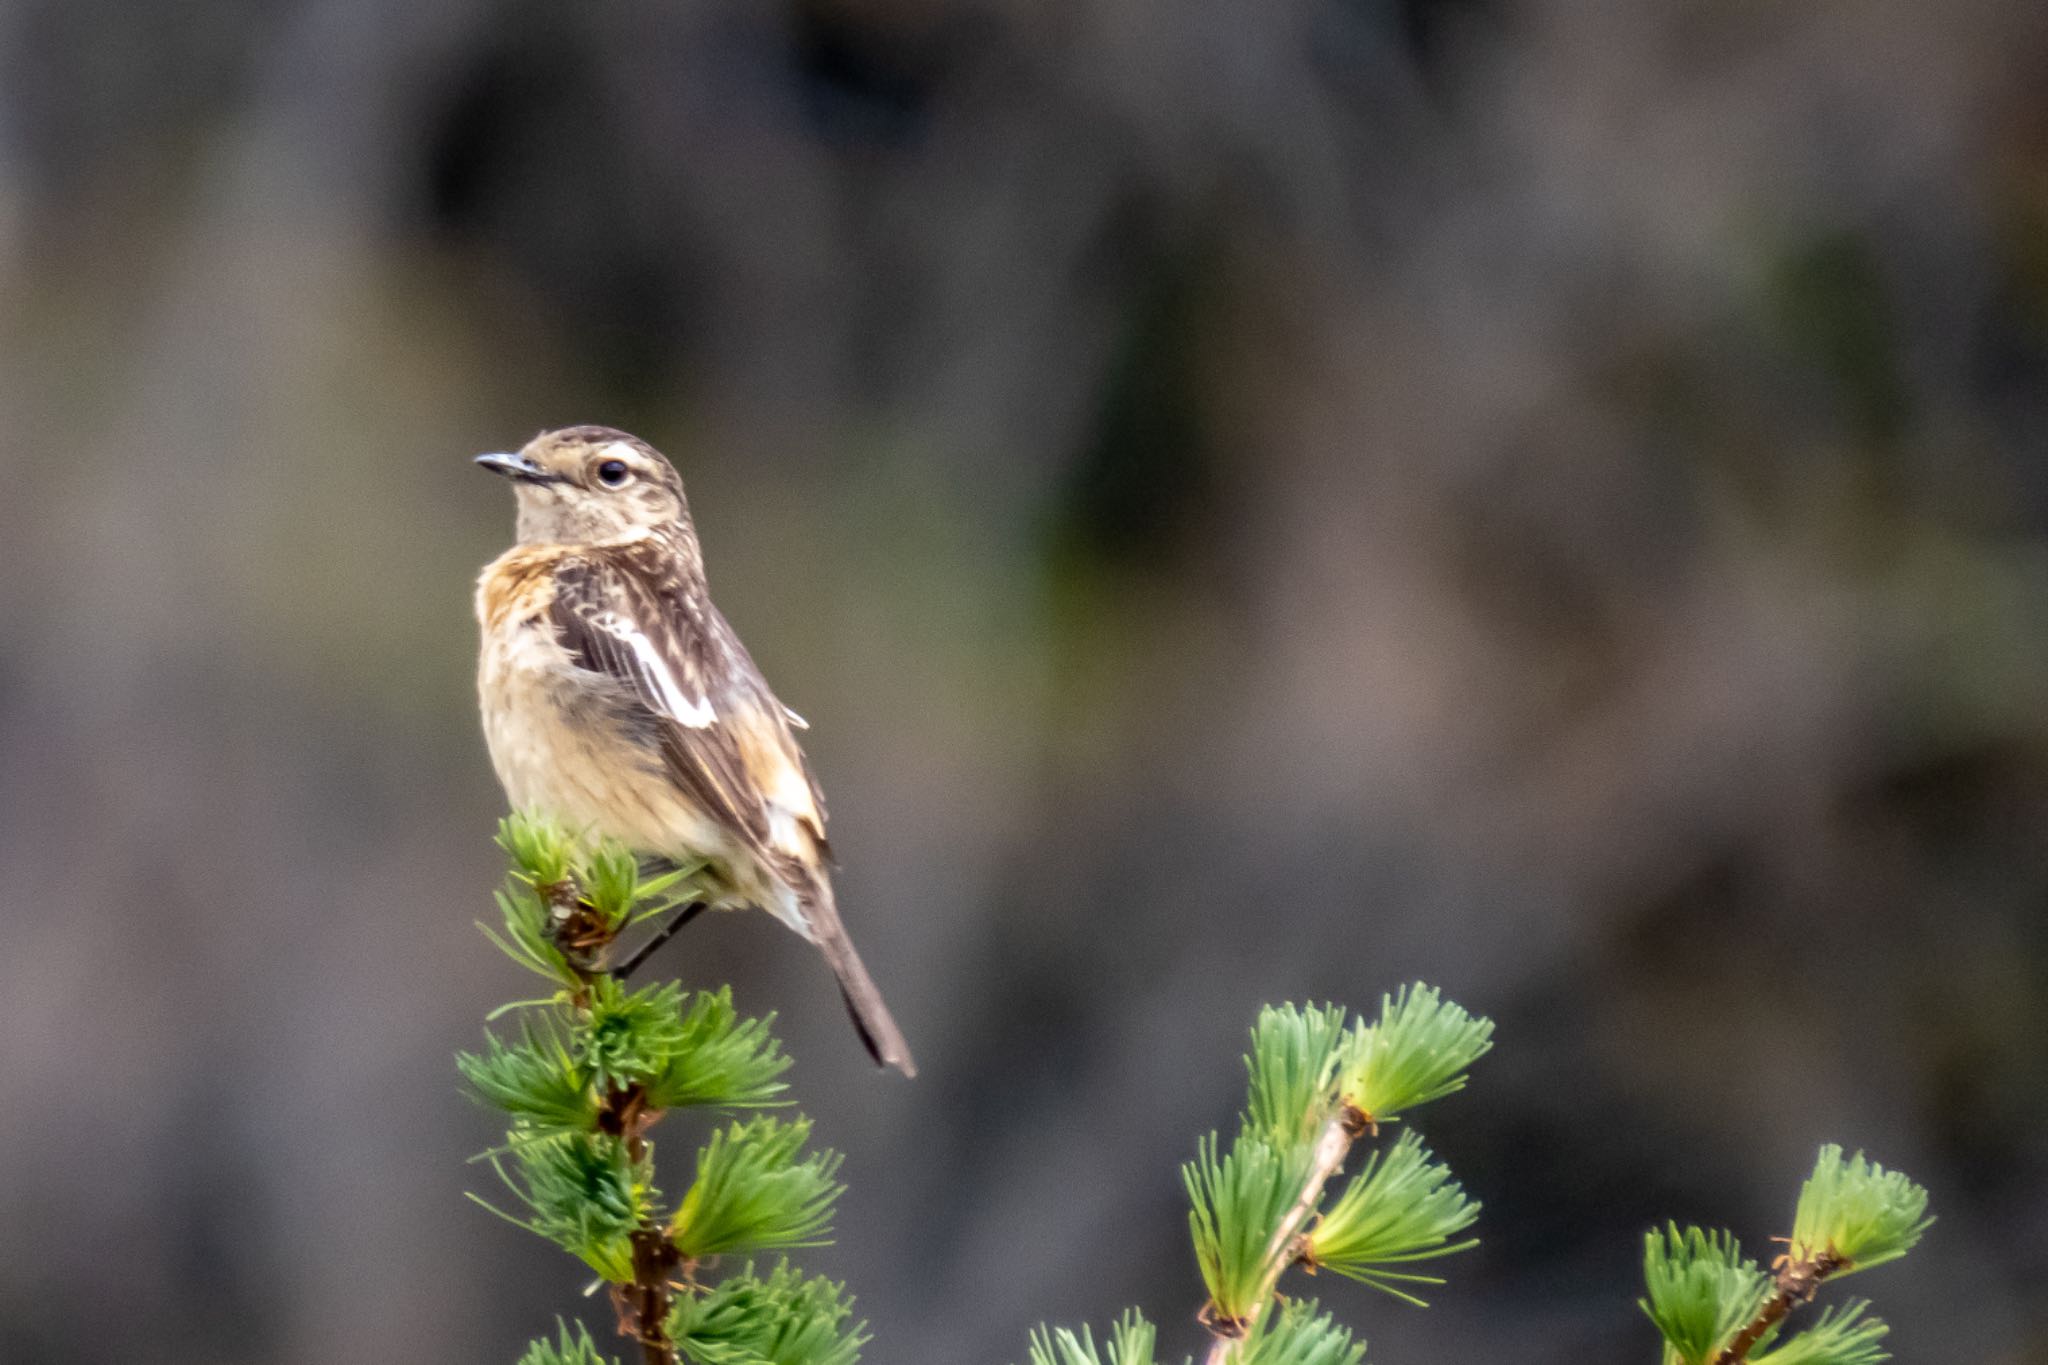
x=617, y=700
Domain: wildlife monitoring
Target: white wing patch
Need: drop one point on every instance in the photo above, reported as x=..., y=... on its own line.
x=694, y=712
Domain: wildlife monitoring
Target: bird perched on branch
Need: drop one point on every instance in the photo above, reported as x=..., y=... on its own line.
x=617, y=700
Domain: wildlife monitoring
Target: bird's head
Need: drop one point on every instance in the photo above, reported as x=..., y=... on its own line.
x=585, y=484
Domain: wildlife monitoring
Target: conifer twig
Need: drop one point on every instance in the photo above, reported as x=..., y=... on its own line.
x=650, y=1298
x=643, y=1307
x=1796, y=1282
x=1333, y=1144
x=593, y=1067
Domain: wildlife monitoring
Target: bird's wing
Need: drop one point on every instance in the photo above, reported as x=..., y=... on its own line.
x=627, y=612
x=621, y=615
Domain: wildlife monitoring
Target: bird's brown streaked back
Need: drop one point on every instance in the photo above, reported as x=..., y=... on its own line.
x=618, y=700
x=621, y=612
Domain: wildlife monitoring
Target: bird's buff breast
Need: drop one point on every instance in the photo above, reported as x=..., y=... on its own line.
x=561, y=749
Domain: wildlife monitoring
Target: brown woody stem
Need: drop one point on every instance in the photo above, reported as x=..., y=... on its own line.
x=643, y=1306
x=1796, y=1283
x=654, y=1256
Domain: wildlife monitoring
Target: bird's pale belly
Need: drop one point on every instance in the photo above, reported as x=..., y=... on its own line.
x=558, y=753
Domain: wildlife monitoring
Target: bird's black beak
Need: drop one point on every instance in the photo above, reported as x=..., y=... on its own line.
x=515, y=467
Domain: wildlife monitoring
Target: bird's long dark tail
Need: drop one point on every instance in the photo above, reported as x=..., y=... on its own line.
x=863, y=1001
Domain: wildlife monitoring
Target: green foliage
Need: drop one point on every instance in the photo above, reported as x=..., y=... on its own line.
x=720, y=1059
x=594, y=1066
x=1418, y=1051
x=1238, y=1203
x=1838, y=1337
x=610, y=881
x=785, y=1319
x=607, y=884
x=1300, y=1334
x=627, y=1037
x=537, y=1080
x=1705, y=1297
x=1857, y=1210
x=1293, y=1066
x=542, y=852
x=585, y=1193
x=1132, y=1341
x=1402, y=1207
x=1701, y=1291
x=1254, y=1209
x=527, y=938
x=597, y=1063
x=702, y=1054
x=568, y=1348
x=615, y=889
x=752, y=1193
x=609, y=878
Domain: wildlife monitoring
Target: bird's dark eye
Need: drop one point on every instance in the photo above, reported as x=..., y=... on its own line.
x=613, y=473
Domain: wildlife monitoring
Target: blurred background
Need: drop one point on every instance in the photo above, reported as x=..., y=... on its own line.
x=1258, y=499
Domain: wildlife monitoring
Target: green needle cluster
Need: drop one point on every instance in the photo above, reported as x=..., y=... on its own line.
x=1403, y=1206
x=720, y=1059
x=1276, y=1198
x=626, y=1037
x=755, y=1191
x=781, y=1318
x=1299, y=1333
x=538, y=1080
x=584, y=1077
x=1238, y=1201
x=1839, y=1336
x=1417, y=1051
x=570, y=1347
x=1858, y=1211
x=1293, y=1064
x=1308, y=1073
x=551, y=872
x=1131, y=1342
x=582, y=1191
x=1702, y=1289
x=1713, y=1306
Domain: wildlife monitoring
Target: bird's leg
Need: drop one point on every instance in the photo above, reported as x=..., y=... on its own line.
x=661, y=936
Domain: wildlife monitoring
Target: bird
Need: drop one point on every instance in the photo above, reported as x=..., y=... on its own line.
x=619, y=702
